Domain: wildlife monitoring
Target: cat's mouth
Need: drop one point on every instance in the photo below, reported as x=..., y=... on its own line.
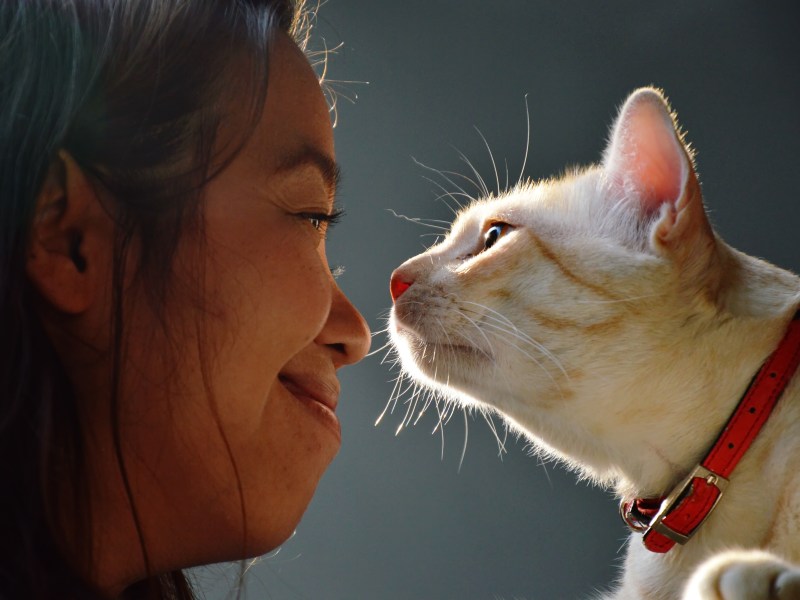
x=452, y=340
x=434, y=354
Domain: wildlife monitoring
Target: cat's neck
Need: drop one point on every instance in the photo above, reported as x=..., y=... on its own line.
x=756, y=302
x=757, y=289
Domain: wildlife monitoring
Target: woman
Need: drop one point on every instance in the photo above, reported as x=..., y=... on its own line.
x=170, y=328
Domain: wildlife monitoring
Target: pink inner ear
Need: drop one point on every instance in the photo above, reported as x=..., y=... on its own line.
x=645, y=154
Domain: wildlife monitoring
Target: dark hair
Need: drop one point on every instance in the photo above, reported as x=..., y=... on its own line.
x=134, y=92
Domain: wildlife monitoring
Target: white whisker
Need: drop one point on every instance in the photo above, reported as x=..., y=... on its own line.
x=501, y=444
x=412, y=404
x=491, y=156
x=420, y=221
x=388, y=344
x=483, y=189
x=393, y=397
x=443, y=175
x=527, y=140
x=476, y=326
x=447, y=194
x=496, y=330
x=503, y=323
x=466, y=437
x=451, y=195
x=466, y=178
x=440, y=426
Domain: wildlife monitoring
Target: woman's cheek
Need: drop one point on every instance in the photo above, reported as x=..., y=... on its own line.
x=306, y=295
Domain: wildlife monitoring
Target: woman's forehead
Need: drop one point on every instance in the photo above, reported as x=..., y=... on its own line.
x=296, y=119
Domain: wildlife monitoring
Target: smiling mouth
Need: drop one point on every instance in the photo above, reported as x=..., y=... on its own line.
x=319, y=398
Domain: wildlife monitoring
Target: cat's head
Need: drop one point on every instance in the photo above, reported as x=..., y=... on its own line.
x=571, y=305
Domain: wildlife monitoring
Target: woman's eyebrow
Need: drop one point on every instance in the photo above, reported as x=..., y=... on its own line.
x=310, y=156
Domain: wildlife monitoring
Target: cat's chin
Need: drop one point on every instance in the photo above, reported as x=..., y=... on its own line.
x=438, y=362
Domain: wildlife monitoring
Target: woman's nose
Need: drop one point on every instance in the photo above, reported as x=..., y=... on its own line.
x=399, y=283
x=346, y=331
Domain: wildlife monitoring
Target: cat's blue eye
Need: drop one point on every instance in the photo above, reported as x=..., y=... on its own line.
x=493, y=234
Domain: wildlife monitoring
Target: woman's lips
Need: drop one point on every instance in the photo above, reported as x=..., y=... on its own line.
x=319, y=395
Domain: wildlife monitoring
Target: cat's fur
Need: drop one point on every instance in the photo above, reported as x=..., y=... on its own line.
x=611, y=326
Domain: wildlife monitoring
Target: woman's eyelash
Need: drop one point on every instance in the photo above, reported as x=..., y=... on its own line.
x=319, y=219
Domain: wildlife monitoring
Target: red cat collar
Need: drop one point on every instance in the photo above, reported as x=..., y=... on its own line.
x=676, y=517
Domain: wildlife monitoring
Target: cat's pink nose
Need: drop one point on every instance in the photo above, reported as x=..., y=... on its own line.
x=398, y=285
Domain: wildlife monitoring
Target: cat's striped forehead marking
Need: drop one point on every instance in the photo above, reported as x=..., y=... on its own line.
x=546, y=252
x=501, y=293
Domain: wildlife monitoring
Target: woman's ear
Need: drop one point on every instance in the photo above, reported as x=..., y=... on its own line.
x=70, y=245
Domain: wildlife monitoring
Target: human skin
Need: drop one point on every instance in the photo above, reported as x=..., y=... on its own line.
x=226, y=417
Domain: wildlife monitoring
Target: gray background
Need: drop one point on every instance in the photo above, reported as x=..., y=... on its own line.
x=392, y=519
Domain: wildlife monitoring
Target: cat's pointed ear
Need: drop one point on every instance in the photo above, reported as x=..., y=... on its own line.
x=647, y=162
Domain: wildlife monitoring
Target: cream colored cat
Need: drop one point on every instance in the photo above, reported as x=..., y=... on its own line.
x=604, y=319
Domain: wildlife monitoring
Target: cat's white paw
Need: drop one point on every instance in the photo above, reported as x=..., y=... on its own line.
x=744, y=575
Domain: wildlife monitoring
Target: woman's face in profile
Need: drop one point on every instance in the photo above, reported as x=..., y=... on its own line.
x=247, y=407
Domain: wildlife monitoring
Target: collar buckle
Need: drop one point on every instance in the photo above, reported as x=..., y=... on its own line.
x=696, y=497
